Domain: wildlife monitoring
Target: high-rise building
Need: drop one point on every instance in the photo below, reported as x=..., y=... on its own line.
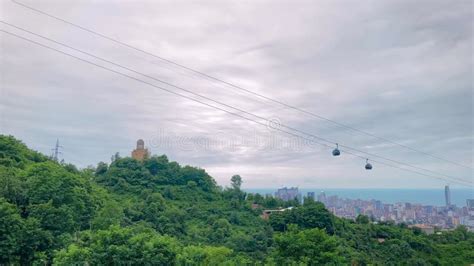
x=311, y=195
x=287, y=194
x=332, y=201
x=378, y=205
x=299, y=197
x=322, y=197
x=447, y=196
x=470, y=203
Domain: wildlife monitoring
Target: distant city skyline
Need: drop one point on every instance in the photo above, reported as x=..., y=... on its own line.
x=426, y=216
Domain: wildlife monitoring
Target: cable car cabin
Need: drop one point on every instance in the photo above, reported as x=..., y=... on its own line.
x=368, y=166
x=336, y=151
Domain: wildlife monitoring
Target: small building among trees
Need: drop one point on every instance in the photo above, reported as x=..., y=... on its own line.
x=140, y=153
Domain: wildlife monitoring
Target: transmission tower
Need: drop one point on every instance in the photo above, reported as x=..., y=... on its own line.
x=56, y=151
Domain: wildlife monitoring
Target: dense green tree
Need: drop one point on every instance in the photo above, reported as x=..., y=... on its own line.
x=236, y=182
x=221, y=230
x=21, y=240
x=118, y=246
x=204, y=255
x=311, y=246
x=15, y=154
x=101, y=168
x=13, y=186
x=109, y=214
x=11, y=225
x=310, y=215
x=362, y=219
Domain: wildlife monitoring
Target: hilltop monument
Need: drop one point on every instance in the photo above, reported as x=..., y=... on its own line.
x=140, y=152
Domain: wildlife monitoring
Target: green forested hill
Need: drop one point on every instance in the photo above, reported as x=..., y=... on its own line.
x=157, y=212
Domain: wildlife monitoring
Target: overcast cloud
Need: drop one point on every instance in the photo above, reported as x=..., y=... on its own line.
x=402, y=70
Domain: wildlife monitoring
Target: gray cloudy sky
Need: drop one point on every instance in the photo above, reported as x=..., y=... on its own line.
x=402, y=70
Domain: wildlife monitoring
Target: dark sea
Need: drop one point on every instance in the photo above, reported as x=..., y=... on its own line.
x=433, y=197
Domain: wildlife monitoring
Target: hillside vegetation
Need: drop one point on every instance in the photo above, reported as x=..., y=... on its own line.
x=157, y=212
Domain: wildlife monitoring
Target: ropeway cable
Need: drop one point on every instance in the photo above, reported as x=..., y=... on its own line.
x=463, y=182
